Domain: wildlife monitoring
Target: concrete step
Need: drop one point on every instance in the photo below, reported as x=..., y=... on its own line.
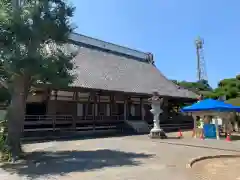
x=139, y=126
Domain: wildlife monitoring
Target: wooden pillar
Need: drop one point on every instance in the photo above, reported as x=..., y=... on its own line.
x=97, y=104
x=125, y=107
x=87, y=106
x=94, y=110
x=108, y=113
x=47, y=99
x=110, y=105
x=55, y=110
x=75, y=100
x=133, y=109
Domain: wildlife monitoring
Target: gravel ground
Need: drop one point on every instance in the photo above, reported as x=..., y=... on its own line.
x=118, y=158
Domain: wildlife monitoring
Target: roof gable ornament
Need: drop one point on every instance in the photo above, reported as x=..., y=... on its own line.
x=150, y=58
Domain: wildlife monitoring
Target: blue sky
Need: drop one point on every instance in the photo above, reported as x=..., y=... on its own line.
x=168, y=28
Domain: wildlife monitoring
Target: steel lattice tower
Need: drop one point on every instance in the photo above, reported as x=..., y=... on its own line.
x=201, y=66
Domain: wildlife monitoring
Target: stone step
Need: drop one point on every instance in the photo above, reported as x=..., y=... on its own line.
x=139, y=126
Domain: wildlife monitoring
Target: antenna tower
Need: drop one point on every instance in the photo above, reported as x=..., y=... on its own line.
x=201, y=67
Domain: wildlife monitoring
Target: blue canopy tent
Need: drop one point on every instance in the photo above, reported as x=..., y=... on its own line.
x=209, y=106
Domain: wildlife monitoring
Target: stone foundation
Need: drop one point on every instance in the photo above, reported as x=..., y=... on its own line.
x=158, y=134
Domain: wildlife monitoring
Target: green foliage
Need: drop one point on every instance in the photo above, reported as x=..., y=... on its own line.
x=32, y=39
x=229, y=88
x=228, y=82
x=232, y=92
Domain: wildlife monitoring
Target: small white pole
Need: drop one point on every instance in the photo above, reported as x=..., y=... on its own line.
x=217, y=130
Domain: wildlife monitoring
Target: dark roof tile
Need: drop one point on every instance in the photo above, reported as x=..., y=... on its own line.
x=103, y=70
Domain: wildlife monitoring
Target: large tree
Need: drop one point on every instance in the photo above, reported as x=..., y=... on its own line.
x=228, y=88
x=32, y=39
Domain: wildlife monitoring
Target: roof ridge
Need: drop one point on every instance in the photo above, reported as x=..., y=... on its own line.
x=108, y=46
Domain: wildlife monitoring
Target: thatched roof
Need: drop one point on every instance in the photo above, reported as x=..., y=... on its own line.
x=102, y=65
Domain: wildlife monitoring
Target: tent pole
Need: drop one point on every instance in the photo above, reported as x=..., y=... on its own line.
x=217, y=130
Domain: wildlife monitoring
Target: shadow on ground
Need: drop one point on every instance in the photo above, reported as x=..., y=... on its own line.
x=59, y=163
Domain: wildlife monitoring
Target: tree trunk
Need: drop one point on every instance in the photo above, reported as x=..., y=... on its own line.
x=17, y=114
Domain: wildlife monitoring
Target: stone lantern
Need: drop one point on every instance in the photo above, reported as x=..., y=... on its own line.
x=156, y=104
